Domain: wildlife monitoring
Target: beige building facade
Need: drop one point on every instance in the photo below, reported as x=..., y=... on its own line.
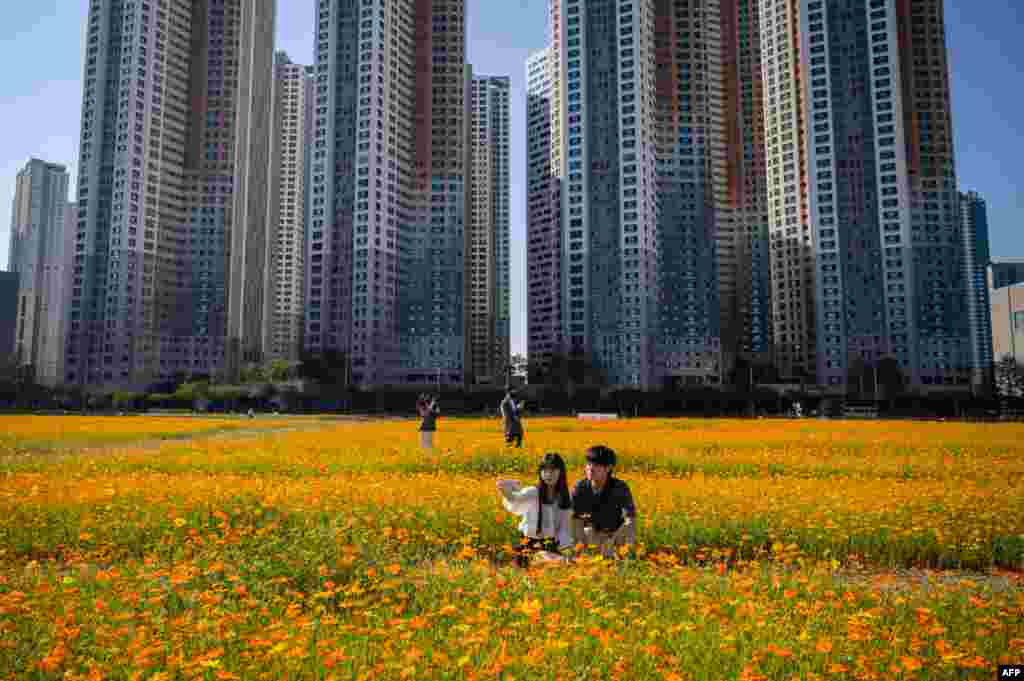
x=1008, y=323
x=292, y=124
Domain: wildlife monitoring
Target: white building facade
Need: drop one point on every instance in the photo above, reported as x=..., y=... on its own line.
x=488, y=255
x=293, y=92
x=38, y=254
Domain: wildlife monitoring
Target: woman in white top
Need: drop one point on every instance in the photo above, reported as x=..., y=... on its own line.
x=545, y=509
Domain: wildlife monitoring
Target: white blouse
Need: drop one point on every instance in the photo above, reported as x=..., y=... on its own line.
x=556, y=522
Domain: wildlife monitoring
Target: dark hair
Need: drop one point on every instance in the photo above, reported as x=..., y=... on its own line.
x=552, y=460
x=602, y=455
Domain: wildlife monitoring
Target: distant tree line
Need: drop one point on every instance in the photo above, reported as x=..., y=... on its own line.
x=563, y=384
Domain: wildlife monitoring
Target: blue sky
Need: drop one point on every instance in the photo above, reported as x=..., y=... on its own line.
x=40, y=97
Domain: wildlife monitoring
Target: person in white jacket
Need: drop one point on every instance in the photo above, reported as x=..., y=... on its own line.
x=545, y=510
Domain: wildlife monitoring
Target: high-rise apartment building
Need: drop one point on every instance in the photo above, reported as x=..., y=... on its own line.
x=796, y=200
x=609, y=213
x=38, y=255
x=250, y=305
x=9, y=311
x=170, y=266
x=293, y=95
x=543, y=210
x=650, y=246
x=882, y=187
x=867, y=258
x=974, y=232
x=791, y=236
x=744, y=250
x=488, y=228
x=386, y=285
x=697, y=227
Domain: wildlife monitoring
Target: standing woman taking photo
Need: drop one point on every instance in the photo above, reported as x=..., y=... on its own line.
x=545, y=510
x=426, y=407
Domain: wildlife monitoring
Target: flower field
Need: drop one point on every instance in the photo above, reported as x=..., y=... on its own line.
x=767, y=550
x=34, y=434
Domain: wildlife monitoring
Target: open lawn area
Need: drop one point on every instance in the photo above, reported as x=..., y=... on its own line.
x=165, y=548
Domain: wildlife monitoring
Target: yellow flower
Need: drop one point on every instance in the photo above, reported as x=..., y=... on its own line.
x=530, y=606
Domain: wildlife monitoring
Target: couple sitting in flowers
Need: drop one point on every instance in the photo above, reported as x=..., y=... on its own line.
x=599, y=512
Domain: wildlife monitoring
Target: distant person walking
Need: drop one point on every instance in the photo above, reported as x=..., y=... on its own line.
x=510, y=415
x=428, y=410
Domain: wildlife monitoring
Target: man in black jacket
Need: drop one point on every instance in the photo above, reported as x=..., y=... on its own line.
x=510, y=415
x=604, y=513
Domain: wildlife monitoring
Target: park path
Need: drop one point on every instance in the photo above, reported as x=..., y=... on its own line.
x=902, y=581
x=259, y=426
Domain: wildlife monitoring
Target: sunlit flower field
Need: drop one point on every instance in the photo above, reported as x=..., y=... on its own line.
x=32, y=434
x=178, y=548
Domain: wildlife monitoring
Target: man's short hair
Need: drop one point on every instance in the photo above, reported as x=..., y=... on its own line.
x=601, y=455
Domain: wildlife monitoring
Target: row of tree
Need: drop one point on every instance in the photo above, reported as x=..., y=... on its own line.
x=564, y=384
